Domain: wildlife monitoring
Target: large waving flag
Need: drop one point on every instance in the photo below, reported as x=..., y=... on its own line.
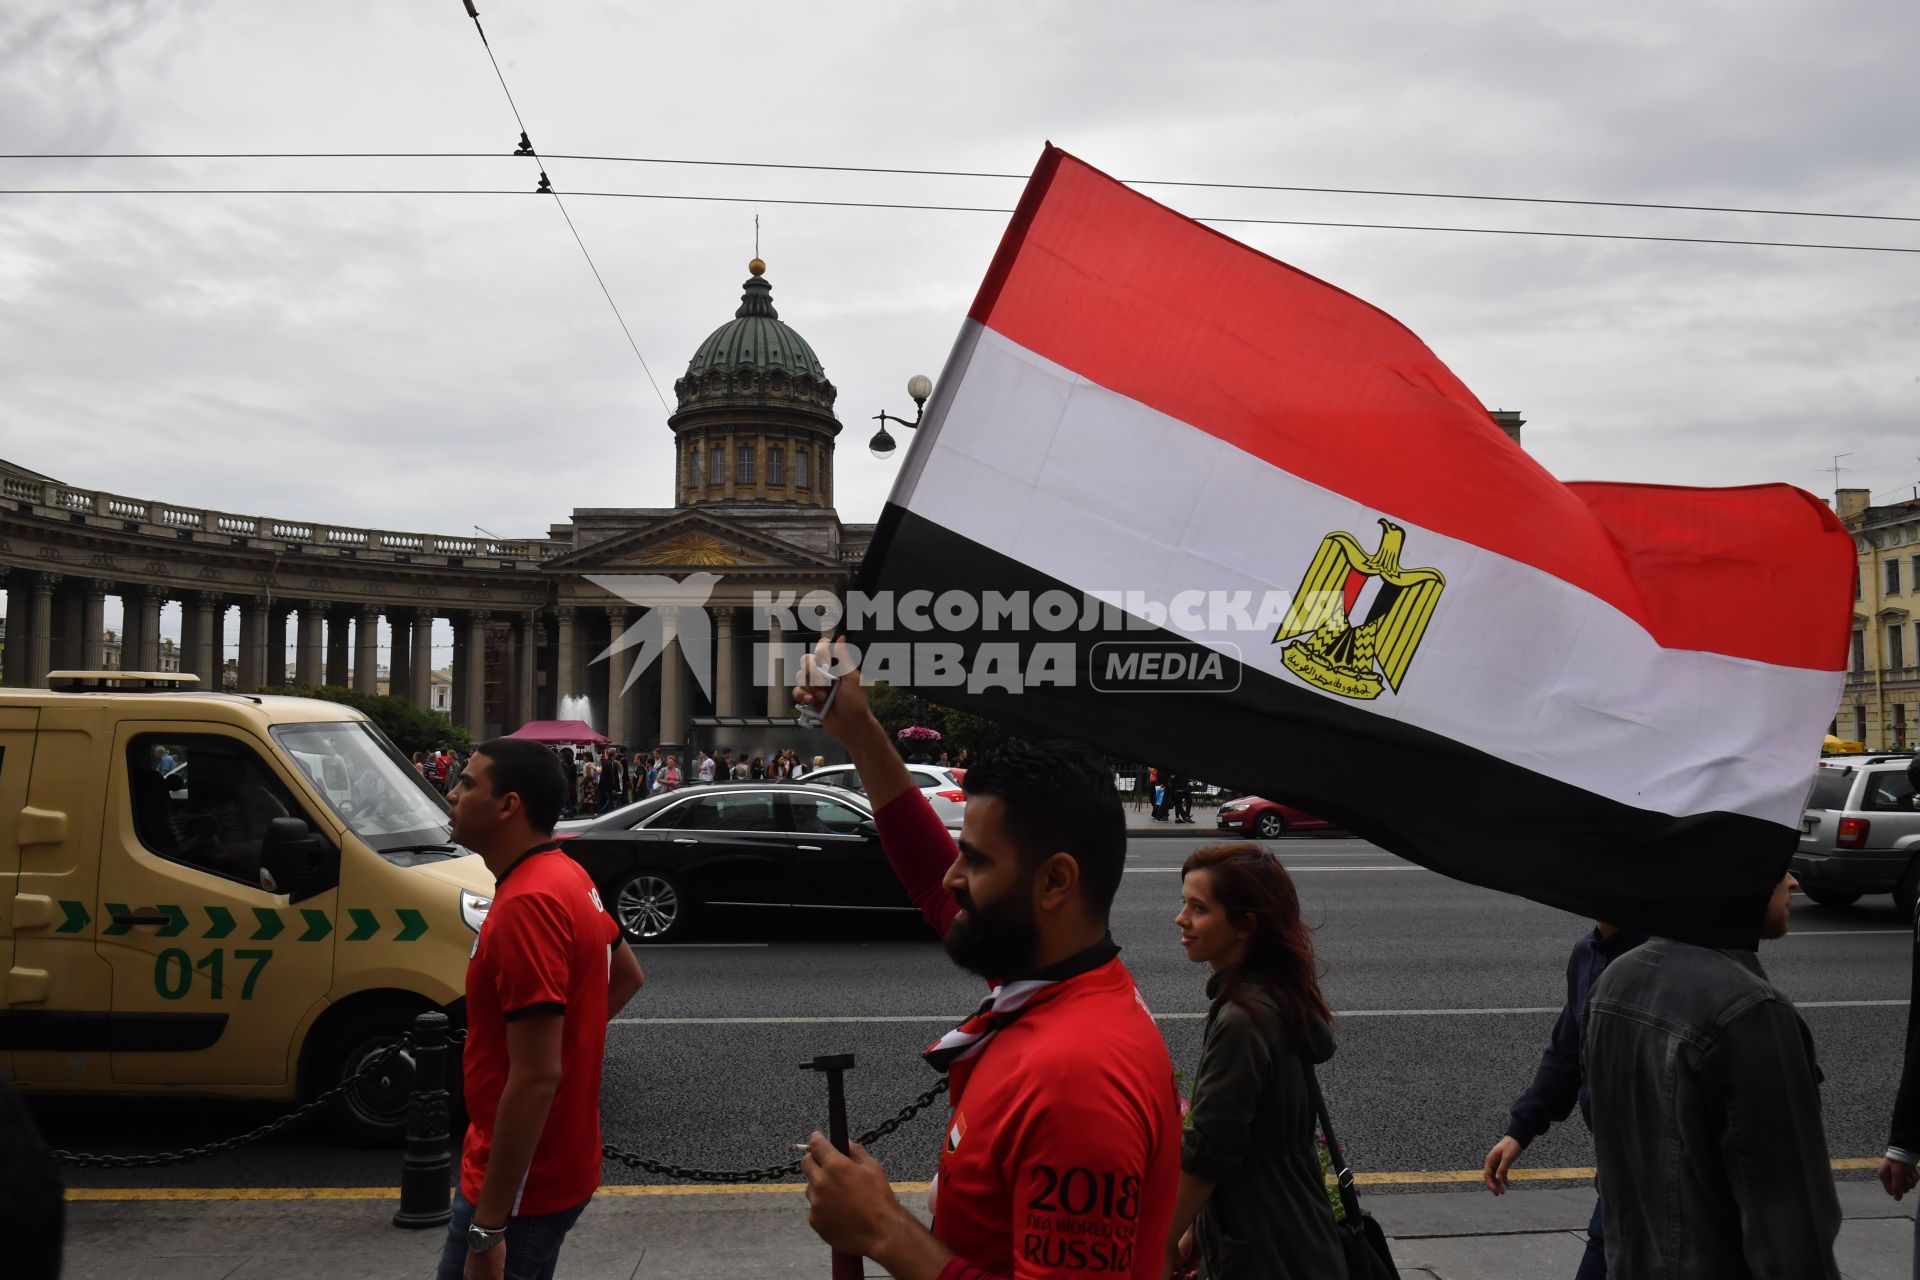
x=1344, y=586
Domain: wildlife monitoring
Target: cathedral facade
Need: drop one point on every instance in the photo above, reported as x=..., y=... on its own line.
x=543, y=629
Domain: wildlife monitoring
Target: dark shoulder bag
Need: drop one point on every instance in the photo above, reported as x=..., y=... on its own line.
x=1361, y=1238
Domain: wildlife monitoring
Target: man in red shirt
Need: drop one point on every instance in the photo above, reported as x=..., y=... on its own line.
x=1062, y=1156
x=547, y=972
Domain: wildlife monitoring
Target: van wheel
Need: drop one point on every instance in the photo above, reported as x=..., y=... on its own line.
x=1907, y=892
x=651, y=907
x=374, y=1112
x=1830, y=897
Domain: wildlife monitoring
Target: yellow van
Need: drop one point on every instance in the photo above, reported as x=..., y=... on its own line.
x=219, y=894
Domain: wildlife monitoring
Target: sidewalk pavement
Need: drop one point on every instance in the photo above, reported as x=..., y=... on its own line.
x=683, y=1233
x=1205, y=823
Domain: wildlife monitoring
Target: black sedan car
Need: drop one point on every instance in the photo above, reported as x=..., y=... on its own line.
x=662, y=863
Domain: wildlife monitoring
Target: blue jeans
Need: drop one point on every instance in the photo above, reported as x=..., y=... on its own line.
x=533, y=1242
x=1593, y=1264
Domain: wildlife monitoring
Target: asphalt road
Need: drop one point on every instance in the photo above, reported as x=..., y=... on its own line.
x=1446, y=994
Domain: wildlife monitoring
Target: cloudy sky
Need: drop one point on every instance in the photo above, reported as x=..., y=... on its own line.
x=435, y=362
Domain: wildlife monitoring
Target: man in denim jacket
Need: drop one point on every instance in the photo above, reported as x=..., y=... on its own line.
x=1706, y=1115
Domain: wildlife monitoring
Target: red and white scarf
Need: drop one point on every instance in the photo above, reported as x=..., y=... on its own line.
x=1007, y=1002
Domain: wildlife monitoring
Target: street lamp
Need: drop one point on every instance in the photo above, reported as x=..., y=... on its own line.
x=919, y=386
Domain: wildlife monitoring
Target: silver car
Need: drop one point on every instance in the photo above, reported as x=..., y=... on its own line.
x=1861, y=832
x=936, y=784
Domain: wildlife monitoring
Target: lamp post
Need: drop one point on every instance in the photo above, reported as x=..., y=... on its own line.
x=919, y=386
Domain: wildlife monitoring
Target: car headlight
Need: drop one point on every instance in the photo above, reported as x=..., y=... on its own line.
x=1232, y=808
x=473, y=909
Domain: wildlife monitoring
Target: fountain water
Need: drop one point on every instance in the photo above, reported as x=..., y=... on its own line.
x=578, y=708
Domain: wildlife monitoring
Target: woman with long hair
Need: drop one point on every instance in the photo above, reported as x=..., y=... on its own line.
x=1253, y=1202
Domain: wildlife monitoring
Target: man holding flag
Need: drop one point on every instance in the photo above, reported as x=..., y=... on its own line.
x=1063, y=1153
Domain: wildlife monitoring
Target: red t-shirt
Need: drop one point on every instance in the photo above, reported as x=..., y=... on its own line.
x=1062, y=1154
x=543, y=948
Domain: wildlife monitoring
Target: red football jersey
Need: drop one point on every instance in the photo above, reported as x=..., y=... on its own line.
x=1062, y=1155
x=545, y=947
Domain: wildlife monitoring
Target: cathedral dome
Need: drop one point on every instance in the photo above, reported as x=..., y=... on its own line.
x=755, y=340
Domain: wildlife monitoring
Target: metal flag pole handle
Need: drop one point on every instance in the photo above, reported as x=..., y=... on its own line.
x=846, y=1266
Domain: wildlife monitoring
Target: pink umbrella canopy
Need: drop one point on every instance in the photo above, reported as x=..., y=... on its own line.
x=558, y=732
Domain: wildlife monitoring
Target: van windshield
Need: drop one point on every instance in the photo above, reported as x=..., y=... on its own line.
x=367, y=784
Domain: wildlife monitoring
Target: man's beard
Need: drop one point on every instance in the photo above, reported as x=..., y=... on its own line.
x=998, y=940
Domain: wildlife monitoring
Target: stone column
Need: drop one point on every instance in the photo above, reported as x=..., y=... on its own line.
x=39, y=637
x=253, y=645
x=779, y=686
x=19, y=614
x=673, y=680
x=726, y=661
x=476, y=683
x=69, y=607
x=566, y=675
x=129, y=628
x=93, y=625
x=399, y=653
x=338, y=674
x=619, y=697
x=310, y=653
x=457, y=669
x=199, y=638
x=151, y=598
x=366, y=651
x=276, y=646
x=526, y=657
x=420, y=665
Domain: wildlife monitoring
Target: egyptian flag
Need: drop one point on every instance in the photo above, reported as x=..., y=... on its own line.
x=1329, y=578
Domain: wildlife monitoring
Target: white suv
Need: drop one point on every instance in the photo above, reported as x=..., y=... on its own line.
x=1861, y=832
x=936, y=784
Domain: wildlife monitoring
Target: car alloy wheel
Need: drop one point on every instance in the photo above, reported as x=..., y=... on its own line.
x=648, y=906
x=1271, y=826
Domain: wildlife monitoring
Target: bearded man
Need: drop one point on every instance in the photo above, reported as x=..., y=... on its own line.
x=1062, y=1154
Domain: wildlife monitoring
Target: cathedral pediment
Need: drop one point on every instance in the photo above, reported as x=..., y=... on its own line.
x=689, y=542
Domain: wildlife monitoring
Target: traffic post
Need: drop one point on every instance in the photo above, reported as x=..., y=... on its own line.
x=846, y=1266
x=426, y=1195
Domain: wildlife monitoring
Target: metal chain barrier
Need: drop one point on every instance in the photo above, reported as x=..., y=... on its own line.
x=772, y=1173
x=85, y=1160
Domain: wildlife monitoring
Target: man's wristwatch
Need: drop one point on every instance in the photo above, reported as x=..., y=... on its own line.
x=480, y=1239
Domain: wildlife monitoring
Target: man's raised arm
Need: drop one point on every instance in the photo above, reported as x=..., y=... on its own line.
x=918, y=846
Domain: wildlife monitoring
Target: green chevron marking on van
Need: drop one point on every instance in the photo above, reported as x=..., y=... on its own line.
x=221, y=922
x=412, y=924
x=270, y=924
x=365, y=924
x=176, y=922
x=318, y=926
x=77, y=917
x=117, y=927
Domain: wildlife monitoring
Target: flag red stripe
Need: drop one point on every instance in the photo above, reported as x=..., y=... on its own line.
x=1145, y=302
x=1355, y=581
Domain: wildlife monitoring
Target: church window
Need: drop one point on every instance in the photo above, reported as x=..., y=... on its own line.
x=743, y=467
x=800, y=467
x=719, y=468
x=694, y=480
x=776, y=465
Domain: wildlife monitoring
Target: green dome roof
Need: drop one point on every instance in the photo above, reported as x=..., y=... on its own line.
x=755, y=339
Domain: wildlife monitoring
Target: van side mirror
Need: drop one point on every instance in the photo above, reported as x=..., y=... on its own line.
x=287, y=853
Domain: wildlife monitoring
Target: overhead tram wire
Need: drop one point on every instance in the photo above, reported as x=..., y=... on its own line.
x=546, y=188
x=946, y=173
x=930, y=208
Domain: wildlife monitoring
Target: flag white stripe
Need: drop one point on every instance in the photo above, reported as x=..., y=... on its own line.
x=1109, y=495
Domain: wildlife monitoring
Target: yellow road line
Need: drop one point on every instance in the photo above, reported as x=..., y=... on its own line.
x=1411, y=1178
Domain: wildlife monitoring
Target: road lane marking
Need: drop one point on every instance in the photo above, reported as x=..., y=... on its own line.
x=955, y=1018
x=1843, y=933
x=1147, y=871
x=1416, y=1177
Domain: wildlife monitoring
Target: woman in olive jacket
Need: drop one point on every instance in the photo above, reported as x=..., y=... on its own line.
x=1253, y=1202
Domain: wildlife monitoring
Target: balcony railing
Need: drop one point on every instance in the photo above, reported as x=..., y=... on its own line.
x=165, y=520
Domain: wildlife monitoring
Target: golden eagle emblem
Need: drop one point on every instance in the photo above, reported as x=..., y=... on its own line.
x=1345, y=583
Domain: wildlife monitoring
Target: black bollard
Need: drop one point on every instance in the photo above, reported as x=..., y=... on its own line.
x=846, y=1266
x=426, y=1195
